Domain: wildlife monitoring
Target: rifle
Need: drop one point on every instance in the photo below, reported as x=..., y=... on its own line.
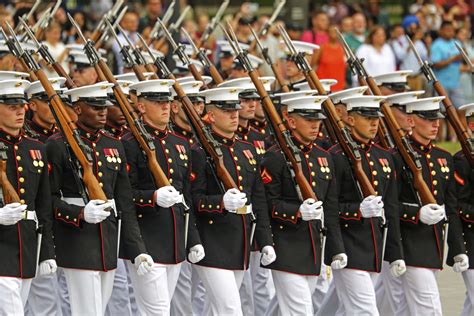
x=166, y=18
x=358, y=69
x=48, y=19
x=283, y=136
x=45, y=54
x=264, y=52
x=28, y=16
x=465, y=56
x=130, y=62
x=467, y=143
x=202, y=56
x=143, y=138
x=348, y=145
x=105, y=35
x=108, y=16
x=203, y=132
x=82, y=152
x=402, y=143
x=138, y=55
x=178, y=49
x=40, y=21
x=264, y=30
x=173, y=28
x=8, y=193
x=210, y=27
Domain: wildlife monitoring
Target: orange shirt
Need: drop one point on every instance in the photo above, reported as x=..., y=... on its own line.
x=332, y=65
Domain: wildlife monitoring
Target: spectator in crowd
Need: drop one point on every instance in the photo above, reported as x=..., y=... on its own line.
x=375, y=14
x=269, y=41
x=378, y=55
x=293, y=29
x=446, y=61
x=347, y=25
x=318, y=34
x=416, y=80
x=129, y=24
x=359, y=31
x=152, y=12
x=330, y=61
x=57, y=48
x=399, y=43
x=463, y=35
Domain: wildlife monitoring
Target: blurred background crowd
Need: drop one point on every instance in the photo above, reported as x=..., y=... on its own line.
x=375, y=31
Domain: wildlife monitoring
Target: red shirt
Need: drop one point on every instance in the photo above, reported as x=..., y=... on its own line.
x=332, y=65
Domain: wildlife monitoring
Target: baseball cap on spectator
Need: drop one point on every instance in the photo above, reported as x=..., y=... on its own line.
x=409, y=20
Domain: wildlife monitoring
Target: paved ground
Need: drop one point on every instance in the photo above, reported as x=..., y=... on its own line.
x=451, y=287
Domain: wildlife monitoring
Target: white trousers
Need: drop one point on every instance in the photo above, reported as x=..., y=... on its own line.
x=468, y=309
x=294, y=292
x=389, y=292
x=182, y=297
x=154, y=290
x=322, y=287
x=119, y=303
x=89, y=291
x=43, y=297
x=63, y=295
x=421, y=292
x=257, y=287
x=355, y=290
x=222, y=290
x=13, y=295
x=198, y=292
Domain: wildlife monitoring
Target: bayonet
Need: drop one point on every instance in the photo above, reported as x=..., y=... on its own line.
x=166, y=19
x=264, y=30
x=105, y=35
x=215, y=20
x=465, y=56
x=28, y=16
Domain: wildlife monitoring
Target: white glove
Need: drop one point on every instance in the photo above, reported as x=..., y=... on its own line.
x=339, y=261
x=461, y=263
x=47, y=267
x=94, y=211
x=144, y=263
x=234, y=199
x=11, y=213
x=431, y=214
x=397, y=268
x=371, y=206
x=311, y=209
x=268, y=255
x=196, y=253
x=167, y=196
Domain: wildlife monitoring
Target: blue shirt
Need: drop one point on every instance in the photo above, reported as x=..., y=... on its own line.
x=448, y=76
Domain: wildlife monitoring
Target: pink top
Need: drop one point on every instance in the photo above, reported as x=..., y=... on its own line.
x=318, y=38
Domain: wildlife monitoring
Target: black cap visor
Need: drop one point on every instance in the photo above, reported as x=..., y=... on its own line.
x=99, y=102
x=158, y=97
x=227, y=105
x=309, y=114
x=429, y=115
x=13, y=99
x=368, y=112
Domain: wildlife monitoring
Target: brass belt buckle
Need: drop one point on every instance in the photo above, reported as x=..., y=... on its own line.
x=242, y=210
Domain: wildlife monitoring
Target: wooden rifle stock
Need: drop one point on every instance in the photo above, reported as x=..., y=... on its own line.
x=199, y=127
x=280, y=130
x=453, y=118
x=339, y=129
x=9, y=193
x=68, y=127
x=159, y=176
x=401, y=143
